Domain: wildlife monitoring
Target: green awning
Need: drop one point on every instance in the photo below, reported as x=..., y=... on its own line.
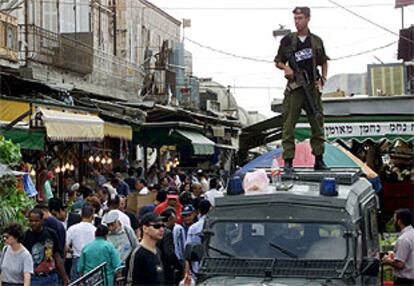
x=201, y=144
x=27, y=139
x=362, y=128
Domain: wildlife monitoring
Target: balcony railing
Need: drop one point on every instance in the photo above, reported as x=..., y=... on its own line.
x=50, y=48
x=107, y=74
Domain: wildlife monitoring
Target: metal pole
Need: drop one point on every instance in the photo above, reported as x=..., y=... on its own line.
x=115, y=24
x=26, y=31
x=402, y=17
x=75, y=16
x=81, y=166
x=145, y=160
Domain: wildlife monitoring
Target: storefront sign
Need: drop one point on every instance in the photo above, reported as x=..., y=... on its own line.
x=339, y=130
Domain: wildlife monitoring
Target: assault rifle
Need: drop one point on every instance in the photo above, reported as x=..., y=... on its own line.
x=302, y=79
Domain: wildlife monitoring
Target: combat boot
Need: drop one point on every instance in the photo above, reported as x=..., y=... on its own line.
x=288, y=168
x=320, y=164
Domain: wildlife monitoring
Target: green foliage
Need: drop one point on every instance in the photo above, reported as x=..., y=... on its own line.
x=389, y=226
x=9, y=152
x=13, y=203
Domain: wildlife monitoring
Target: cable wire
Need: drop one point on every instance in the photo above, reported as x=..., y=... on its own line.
x=227, y=53
x=364, y=52
x=218, y=8
x=371, y=22
x=267, y=61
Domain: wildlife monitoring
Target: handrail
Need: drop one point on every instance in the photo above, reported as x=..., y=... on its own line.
x=95, y=277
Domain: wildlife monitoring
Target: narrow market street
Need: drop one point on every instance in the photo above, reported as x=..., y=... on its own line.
x=237, y=142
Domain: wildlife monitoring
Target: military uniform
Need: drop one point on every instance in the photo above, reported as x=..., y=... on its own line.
x=309, y=54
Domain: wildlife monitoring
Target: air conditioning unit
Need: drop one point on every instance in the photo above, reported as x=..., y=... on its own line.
x=387, y=79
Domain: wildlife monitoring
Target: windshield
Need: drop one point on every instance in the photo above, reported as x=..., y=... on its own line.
x=277, y=240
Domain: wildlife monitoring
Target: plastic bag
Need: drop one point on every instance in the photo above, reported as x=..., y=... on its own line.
x=29, y=187
x=256, y=181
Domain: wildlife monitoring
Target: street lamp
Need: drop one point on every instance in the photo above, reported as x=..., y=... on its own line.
x=282, y=31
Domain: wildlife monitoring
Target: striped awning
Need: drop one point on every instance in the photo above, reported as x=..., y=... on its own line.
x=201, y=144
x=71, y=126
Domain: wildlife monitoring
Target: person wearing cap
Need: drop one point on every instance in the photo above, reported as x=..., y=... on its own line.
x=121, y=236
x=144, y=265
x=189, y=215
x=173, y=202
x=308, y=51
x=99, y=251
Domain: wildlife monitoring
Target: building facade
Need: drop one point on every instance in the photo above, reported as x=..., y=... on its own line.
x=95, y=46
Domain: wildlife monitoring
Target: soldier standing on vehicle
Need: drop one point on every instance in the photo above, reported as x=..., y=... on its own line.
x=307, y=50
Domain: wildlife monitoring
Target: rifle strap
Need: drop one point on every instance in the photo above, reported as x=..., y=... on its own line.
x=294, y=45
x=313, y=46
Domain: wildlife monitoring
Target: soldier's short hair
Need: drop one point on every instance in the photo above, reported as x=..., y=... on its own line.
x=302, y=10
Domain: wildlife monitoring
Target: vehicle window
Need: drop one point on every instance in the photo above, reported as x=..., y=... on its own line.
x=327, y=231
x=371, y=228
x=278, y=239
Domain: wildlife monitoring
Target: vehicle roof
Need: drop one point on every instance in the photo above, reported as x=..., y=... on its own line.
x=302, y=194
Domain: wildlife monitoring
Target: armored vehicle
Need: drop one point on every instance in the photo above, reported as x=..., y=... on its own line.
x=295, y=236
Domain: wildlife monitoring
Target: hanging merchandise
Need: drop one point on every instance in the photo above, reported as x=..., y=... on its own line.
x=29, y=187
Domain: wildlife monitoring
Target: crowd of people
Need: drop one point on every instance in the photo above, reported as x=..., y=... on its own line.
x=67, y=239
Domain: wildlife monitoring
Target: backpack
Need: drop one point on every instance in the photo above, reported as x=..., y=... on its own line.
x=130, y=267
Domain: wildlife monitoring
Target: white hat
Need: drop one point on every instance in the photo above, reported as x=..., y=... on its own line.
x=112, y=191
x=75, y=187
x=110, y=217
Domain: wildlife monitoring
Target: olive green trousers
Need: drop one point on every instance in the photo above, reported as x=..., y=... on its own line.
x=293, y=103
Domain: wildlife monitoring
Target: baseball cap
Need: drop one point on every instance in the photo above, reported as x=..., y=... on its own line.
x=150, y=217
x=172, y=197
x=188, y=209
x=110, y=217
x=200, y=171
x=302, y=10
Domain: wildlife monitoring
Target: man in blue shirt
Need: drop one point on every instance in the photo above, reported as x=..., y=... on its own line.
x=195, y=231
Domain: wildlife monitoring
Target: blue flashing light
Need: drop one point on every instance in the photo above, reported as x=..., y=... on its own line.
x=328, y=187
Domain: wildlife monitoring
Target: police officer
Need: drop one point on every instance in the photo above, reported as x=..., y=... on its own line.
x=309, y=53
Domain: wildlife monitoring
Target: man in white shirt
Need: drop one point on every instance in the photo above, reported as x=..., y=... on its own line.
x=78, y=235
x=402, y=258
x=213, y=192
x=141, y=187
x=202, y=178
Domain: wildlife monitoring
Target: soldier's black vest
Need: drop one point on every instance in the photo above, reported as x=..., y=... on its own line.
x=317, y=54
